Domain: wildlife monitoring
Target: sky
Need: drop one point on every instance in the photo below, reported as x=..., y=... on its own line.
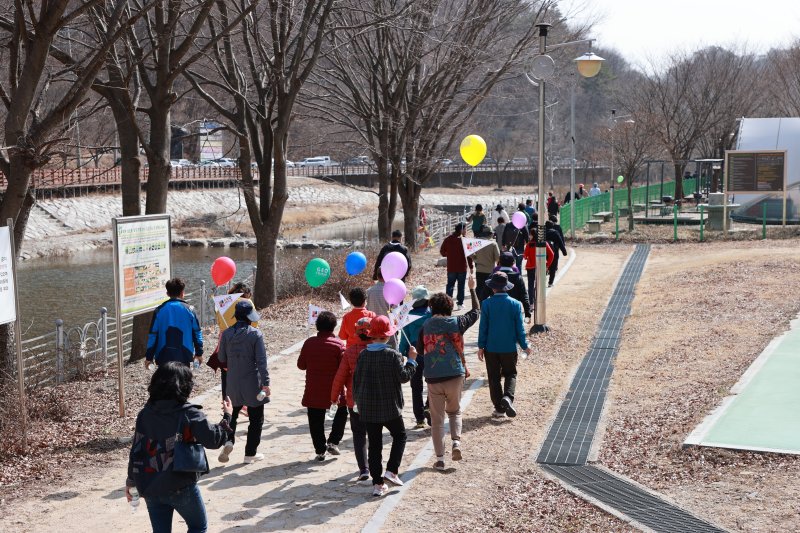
x=648, y=30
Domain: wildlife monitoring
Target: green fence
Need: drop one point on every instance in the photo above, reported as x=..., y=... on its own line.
x=586, y=208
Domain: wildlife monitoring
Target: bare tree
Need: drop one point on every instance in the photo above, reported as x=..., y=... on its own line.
x=686, y=99
x=255, y=79
x=38, y=97
x=633, y=143
x=410, y=87
x=784, y=80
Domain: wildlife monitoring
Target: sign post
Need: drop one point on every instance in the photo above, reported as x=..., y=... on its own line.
x=142, y=266
x=751, y=172
x=9, y=312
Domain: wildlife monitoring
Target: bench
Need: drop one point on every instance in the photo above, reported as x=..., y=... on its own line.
x=605, y=215
x=593, y=226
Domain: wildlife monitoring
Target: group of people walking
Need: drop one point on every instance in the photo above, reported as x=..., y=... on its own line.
x=357, y=373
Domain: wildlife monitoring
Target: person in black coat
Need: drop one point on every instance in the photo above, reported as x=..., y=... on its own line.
x=514, y=240
x=393, y=246
x=518, y=292
x=151, y=470
x=556, y=240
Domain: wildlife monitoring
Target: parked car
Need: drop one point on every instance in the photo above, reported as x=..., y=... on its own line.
x=489, y=161
x=359, y=160
x=318, y=161
x=226, y=162
x=443, y=161
x=208, y=164
x=174, y=163
x=519, y=161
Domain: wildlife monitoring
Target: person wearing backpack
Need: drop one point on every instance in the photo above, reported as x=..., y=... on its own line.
x=155, y=468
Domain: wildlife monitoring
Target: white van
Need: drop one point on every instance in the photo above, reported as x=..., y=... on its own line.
x=318, y=161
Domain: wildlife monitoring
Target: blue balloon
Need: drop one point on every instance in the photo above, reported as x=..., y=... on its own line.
x=355, y=263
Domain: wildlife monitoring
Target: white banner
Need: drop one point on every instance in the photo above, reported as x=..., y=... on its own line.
x=8, y=304
x=143, y=263
x=344, y=302
x=313, y=313
x=223, y=303
x=401, y=316
x=473, y=245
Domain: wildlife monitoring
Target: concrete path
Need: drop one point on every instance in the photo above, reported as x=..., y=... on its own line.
x=762, y=412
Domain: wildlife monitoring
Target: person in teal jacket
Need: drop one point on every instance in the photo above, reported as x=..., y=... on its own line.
x=411, y=333
x=500, y=332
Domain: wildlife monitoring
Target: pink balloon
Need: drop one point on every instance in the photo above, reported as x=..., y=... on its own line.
x=394, y=266
x=394, y=291
x=519, y=219
x=222, y=270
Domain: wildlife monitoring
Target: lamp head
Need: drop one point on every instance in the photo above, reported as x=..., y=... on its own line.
x=589, y=64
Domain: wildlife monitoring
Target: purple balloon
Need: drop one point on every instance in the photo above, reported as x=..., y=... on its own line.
x=394, y=291
x=394, y=266
x=519, y=219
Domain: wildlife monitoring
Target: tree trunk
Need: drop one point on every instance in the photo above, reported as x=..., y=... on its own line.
x=156, y=203
x=267, y=267
x=158, y=159
x=411, y=217
x=384, y=218
x=679, y=182
x=130, y=164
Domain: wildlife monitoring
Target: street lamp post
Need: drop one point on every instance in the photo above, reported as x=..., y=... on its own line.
x=543, y=68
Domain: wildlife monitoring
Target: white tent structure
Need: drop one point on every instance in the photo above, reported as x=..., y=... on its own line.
x=771, y=134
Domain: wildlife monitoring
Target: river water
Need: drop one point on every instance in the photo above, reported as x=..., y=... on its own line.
x=74, y=288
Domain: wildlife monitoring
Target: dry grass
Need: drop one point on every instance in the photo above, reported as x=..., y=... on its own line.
x=701, y=315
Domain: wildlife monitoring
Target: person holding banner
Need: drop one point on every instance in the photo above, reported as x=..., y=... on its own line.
x=243, y=353
x=347, y=331
x=409, y=335
x=442, y=343
x=457, y=262
x=175, y=333
x=485, y=258
x=224, y=308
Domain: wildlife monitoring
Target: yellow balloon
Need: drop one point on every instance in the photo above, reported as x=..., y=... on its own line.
x=473, y=149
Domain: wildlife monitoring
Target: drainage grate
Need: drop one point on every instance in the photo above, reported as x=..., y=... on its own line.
x=570, y=437
x=630, y=500
x=566, y=447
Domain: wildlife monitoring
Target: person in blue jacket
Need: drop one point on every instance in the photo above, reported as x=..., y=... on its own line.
x=500, y=331
x=174, y=332
x=410, y=334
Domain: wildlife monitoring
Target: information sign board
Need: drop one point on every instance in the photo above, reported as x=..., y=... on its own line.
x=142, y=262
x=755, y=172
x=8, y=304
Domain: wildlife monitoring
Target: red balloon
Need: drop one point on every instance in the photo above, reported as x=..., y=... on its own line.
x=223, y=270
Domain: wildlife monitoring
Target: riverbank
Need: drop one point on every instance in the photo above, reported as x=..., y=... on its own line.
x=317, y=213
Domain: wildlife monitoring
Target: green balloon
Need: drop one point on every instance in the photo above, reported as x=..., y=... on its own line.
x=620, y=179
x=317, y=272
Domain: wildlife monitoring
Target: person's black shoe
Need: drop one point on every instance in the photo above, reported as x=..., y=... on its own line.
x=508, y=407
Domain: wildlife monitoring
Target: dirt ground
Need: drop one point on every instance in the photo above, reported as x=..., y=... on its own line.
x=701, y=315
x=497, y=485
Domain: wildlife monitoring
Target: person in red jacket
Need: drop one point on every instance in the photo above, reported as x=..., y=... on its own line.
x=530, y=267
x=320, y=357
x=457, y=263
x=358, y=299
x=344, y=378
